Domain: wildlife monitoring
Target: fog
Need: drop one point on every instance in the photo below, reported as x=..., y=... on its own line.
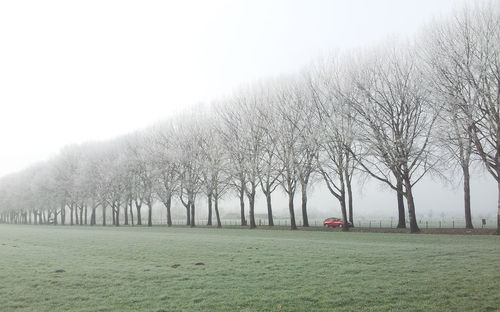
x=72, y=72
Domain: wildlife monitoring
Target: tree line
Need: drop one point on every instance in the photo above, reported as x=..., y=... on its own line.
x=395, y=112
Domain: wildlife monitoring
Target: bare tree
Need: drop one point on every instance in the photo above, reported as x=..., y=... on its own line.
x=166, y=166
x=395, y=118
x=89, y=179
x=216, y=175
x=188, y=140
x=463, y=53
x=65, y=170
x=286, y=133
x=270, y=167
x=230, y=131
x=336, y=133
x=139, y=148
x=309, y=126
x=247, y=103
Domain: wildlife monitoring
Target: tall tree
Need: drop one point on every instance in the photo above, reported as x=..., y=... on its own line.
x=188, y=144
x=166, y=167
x=463, y=53
x=336, y=157
x=230, y=131
x=395, y=118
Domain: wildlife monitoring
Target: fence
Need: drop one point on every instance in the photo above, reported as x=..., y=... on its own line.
x=362, y=223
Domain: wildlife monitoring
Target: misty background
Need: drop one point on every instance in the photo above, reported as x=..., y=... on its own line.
x=72, y=72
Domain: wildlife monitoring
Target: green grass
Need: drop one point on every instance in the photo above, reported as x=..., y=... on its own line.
x=130, y=269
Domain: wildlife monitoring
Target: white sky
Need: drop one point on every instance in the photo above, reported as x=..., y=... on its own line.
x=73, y=71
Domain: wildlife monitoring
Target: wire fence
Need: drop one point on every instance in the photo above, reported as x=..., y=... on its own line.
x=488, y=223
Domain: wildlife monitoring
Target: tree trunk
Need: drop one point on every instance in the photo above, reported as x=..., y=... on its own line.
x=401, y=205
x=293, y=225
x=468, y=217
x=251, y=209
x=92, y=215
x=350, y=200
x=117, y=219
x=125, y=213
x=150, y=214
x=131, y=212
x=71, y=209
x=411, y=207
x=139, y=218
x=216, y=207
x=63, y=214
x=192, y=214
x=76, y=214
x=242, y=207
x=498, y=212
x=305, y=219
x=55, y=216
x=113, y=213
x=81, y=215
x=188, y=214
x=209, y=222
x=169, y=215
x=103, y=215
x=345, y=225
x=269, y=209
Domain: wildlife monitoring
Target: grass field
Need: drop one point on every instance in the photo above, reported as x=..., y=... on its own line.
x=154, y=269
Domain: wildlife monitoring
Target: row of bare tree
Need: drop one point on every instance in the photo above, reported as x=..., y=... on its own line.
x=395, y=112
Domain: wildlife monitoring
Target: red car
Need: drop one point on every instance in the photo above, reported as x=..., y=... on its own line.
x=335, y=222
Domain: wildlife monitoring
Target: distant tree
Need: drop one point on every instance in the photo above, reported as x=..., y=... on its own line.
x=65, y=170
x=143, y=164
x=336, y=134
x=216, y=175
x=286, y=132
x=91, y=176
x=166, y=166
x=230, y=131
x=247, y=103
x=188, y=141
x=269, y=164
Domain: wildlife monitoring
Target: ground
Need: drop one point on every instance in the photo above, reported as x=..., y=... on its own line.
x=47, y=268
